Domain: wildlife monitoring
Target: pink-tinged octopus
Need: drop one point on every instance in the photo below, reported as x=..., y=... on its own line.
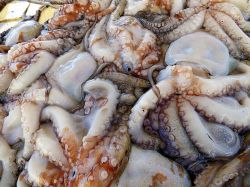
x=29, y=60
x=87, y=150
x=220, y=18
x=124, y=42
x=82, y=14
x=190, y=117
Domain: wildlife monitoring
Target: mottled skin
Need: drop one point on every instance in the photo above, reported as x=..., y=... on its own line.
x=99, y=157
x=56, y=42
x=97, y=162
x=220, y=18
x=88, y=13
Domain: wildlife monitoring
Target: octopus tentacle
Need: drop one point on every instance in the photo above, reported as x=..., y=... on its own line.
x=210, y=139
x=147, y=102
x=173, y=132
x=231, y=28
x=12, y=130
x=6, y=75
x=103, y=97
x=43, y=173
x=120, y=78
x=238, y=166
x=170, y=23
x=215, y=29
x=228, y=111
x=234, y=12
x=203, y=86
x=30, y=123
x=46, y=140
x=67, y=129
x=207, y=175
x=40, y=63
x=103, y=159
x=192, y=24
x=8, y=167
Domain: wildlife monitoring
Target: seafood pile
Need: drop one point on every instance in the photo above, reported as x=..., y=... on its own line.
x=125, y=93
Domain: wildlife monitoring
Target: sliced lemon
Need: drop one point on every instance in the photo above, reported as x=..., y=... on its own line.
x=46, y=14
x=13, y=10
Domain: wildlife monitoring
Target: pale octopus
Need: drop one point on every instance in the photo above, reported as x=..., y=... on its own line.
x=221, y=18
x=124, y=42
x=192, y=117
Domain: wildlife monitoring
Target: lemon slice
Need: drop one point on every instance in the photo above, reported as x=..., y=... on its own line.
x=46, y=14
x=13, y=10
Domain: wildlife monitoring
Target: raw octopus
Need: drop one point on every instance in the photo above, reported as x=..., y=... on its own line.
x=127, y=93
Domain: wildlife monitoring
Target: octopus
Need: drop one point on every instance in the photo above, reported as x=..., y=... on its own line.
x=28, y=57
x=157, y=6
x=227, y=173
x=180, y=116
x=82, y=14
x=81, y=151
x=124, y=42
x=222, y=19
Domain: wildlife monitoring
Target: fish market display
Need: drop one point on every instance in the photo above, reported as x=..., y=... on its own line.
x=124, y=93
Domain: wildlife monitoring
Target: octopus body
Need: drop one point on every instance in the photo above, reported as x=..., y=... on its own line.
x=180, y=116
x=124, y=42
x=23, y=32
x=76, y=66
x=222, y=19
